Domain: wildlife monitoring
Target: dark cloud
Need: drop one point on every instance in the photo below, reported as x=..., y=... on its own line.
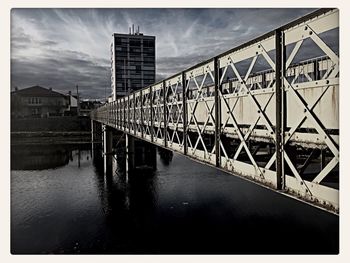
x=60, y=48
x=62, y=74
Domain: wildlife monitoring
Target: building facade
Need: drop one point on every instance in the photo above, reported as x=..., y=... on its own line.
x=86, y=106
x=38, y=102
x=132, y=62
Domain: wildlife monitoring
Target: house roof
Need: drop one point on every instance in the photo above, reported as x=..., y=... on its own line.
x=37, y=91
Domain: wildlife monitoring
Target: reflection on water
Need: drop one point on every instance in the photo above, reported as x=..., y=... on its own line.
x=42, y=157
x=39, y=157
x=182, y=207
x=165, y=156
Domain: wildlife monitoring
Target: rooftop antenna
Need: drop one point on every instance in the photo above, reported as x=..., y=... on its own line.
x=129, y=30
x=138, y=29
x=133, y=32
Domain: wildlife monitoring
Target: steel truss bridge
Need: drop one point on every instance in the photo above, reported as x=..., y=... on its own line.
x=266, y=110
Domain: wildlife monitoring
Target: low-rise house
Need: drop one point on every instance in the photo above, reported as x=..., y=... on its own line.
x=72, y=109
x=39, y=102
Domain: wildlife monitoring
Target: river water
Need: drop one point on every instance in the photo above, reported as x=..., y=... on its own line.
x=61, y=202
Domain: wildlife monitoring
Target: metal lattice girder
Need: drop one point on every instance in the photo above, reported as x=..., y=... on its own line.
x=127, y=114
x=229, y=61
x=137, y=113
x=134, y=113
x=158, y=113
x=174, y=111
x=184, y=109
x=147, y=114
x=318, y=122
x=217, y=133
x=206, y=104
x=251, y=111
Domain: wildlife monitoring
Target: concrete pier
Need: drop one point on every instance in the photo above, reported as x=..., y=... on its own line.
x=107, y=148
x=140, y=155
x=130, y=153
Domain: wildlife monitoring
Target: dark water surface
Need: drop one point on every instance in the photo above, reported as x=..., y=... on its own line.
x=61, y=202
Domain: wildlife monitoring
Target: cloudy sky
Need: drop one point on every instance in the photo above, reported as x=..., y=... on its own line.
x=60, y=48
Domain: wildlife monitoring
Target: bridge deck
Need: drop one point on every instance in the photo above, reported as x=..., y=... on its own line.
x=266, y=110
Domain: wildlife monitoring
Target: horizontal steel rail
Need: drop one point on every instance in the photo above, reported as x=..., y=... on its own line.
x=265, y=111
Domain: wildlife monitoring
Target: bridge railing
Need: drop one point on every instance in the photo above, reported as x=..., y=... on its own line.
x=266, y=110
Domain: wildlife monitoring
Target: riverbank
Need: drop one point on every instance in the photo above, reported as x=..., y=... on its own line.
x=52, y=124
x=51, y=137
x=52, y=130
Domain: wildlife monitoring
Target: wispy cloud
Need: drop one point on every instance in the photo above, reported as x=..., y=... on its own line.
x=60, y=48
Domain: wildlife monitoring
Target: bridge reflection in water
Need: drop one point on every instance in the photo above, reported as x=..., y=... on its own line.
x=266, y=110
x=181, y=207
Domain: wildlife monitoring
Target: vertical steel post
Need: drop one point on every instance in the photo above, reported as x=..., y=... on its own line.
x=117, y=113
x=134, y=117
x=151, y=112
x=184, y=111
x=126, y=154
x=92, y=136
x=120, y=114
x=124, y=111
x=280, y=113
x=120, y=118
x=128, y=116
x=106, y=114
x=217, y=111
x=92, y=131
x=107, y=148
x=165, y=114
x=141, y=112
x=125, y=114
x=110, y=108
x=323, y=159
x=263, y=81
x=102, y=138
x=126, y=105
x=316, y=70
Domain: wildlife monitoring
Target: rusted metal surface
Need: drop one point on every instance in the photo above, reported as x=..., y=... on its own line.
x=227, y=111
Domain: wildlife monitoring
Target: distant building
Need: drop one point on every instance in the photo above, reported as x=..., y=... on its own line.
x=72, y=104
x=39, y=102
x=110, y=99
x=87, y=106
x=132, y=62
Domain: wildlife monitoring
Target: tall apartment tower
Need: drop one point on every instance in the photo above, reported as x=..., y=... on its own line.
x=133, y=63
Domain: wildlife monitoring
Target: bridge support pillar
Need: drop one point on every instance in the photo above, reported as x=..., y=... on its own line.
x=107, y=148
x=280, y=108
x=140, y=155
x=130, y=153
x=151, y=156
x=93, y=130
